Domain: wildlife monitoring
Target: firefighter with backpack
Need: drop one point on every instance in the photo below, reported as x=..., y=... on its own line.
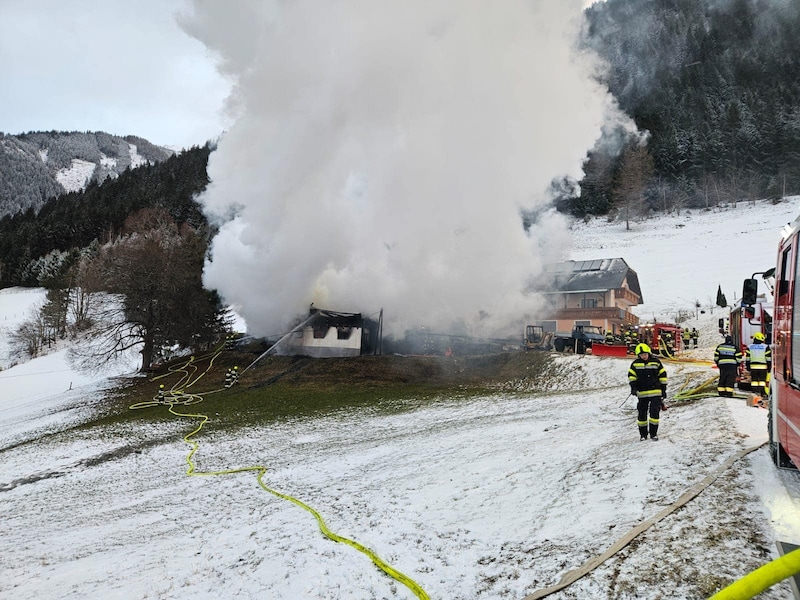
x=686, y=336
x=727, y=358
x=758, y=360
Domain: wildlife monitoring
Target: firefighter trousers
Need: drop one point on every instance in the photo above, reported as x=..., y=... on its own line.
x=727, y=379
x=759, y=381
x=653, y=407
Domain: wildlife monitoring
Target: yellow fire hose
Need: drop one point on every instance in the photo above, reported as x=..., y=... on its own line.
x=177, y=396
x=745, y=588
x=762, y=578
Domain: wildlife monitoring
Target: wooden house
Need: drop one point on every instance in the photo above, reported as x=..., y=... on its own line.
x=590, y=292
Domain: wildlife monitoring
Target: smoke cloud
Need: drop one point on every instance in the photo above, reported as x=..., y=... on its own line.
x=381, y=153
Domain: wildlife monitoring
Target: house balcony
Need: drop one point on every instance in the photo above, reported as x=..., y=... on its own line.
x=625, y=295
x=619, y=315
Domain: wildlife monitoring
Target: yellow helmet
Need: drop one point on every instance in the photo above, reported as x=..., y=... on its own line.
x=641, y=348
x=758, y=337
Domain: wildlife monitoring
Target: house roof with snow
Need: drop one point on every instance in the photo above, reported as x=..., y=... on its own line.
x=599, y=275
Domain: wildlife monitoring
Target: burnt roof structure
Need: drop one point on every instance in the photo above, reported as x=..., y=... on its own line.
x=332, y=318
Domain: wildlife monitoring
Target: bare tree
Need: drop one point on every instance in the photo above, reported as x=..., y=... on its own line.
x=154, y=297
x=88, y=282
x=28, y=338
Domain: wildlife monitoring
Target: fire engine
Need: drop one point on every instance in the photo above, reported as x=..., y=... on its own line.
x=663, y=338
x=784, y=401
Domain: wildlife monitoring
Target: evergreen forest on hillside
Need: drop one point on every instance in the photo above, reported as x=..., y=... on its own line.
x=716, y=86
x=74, y=221
x=30, y=163
x=122, y=263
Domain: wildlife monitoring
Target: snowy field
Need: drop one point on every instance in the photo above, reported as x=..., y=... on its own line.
x=494, y=497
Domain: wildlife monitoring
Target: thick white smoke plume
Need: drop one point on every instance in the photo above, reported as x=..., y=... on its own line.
x=381, y=153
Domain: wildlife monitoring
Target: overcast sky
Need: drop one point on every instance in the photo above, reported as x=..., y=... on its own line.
x=120, y=66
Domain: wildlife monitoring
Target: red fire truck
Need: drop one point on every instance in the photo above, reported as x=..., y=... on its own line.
x=784, y=404
x=663, y=338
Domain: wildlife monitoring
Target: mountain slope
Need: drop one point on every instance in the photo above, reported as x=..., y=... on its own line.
x=39, y=165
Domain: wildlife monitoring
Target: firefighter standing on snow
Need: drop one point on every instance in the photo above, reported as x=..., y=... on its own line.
x=758, y=360
x=728, y=358
x=648, y=380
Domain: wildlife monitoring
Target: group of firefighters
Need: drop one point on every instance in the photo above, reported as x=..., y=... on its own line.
x=631, y=338
x=757, y=359
x=231, y=378
x=648, y=378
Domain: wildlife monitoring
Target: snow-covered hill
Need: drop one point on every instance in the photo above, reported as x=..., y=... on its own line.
x=38, y=165
x=480, y=498
x=682, y=259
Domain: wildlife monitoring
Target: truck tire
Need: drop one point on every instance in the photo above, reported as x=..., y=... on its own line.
x=774, y=452
x=560, y=345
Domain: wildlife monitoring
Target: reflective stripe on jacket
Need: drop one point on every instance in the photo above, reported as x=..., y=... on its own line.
x=758, y=356
x=649, y=377
x=727, y=354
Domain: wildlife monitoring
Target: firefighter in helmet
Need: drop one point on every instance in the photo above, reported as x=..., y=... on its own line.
x=758, y=360
x=686, y=336
x=232, y=376
x=648, y=380
x=728, y=358
x=669, y=344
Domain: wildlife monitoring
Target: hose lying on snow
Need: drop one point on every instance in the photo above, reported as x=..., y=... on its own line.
x=177, y=395
x=572, y=576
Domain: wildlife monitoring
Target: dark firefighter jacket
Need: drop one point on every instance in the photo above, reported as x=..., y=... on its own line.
x=727, y=354
x=648, y=378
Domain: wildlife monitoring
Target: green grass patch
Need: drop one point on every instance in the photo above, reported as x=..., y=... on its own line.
x=280, y=388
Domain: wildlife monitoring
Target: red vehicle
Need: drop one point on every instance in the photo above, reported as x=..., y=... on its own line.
x=663, y=338
x=784, y=404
